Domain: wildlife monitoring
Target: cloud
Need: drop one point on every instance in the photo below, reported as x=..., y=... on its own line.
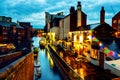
x=91, y=4
x=12, y=3
x=109, y=21
x=56, y=6
x=33, y=10
x=92, y=21
x=35, y=18
x=109, y=14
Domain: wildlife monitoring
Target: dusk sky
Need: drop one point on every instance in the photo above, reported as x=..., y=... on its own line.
x=34, y=10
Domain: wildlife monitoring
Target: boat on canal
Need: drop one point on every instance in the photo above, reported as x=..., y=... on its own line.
x=42, y=43
x=37, y=70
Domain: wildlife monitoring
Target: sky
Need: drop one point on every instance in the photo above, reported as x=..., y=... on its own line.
x=34, y=10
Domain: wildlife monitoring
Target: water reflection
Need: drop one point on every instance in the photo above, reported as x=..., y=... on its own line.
x=48, y=69
x=50, y=60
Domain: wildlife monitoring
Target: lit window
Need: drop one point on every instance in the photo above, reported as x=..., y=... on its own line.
x=94, y=54
x=19, y=33
x=119, y=21
x=114, y=21
x=3, y=28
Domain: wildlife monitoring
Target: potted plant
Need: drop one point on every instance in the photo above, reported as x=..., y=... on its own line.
x=35, y=51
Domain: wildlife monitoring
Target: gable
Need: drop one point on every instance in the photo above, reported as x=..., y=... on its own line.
x=104, y=31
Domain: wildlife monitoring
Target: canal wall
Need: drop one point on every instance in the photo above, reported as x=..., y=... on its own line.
x=20, y=69
x=66, y=71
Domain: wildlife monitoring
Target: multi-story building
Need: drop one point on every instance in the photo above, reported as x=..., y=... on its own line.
x=11, y=32
x=73, y=21
x=28, y=29
x=7, y=28
x=77, y=18
x=5, y=19
x=28, y=33
x=116, y=24
x=4, y=28
x=52, y=24
x=61, y=35
x=49, y=19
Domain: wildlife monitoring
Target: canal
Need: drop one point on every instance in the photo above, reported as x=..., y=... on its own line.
x=49, y=71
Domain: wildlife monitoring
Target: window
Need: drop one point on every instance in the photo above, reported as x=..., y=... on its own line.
x=3, y=28
x=119, y=21
x=114, y=21
x=94, y=54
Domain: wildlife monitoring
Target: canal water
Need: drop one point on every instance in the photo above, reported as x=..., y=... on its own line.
x=48, y=69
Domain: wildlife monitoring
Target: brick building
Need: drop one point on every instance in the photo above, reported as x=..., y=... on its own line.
x=11, y=32
x=28, y=33
x=116, y=23
x=73, y=21
x=7, y=29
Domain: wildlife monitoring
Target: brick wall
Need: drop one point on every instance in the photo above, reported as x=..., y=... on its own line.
x=21, y=69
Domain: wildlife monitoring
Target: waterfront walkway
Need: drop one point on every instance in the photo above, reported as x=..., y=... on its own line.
x=84, y=68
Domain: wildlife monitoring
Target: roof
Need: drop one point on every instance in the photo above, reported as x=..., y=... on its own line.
x=9, y=24
x=104, y=25
x=89, y=27
x=25, y=24
x=104, y=31
x=92, y=26
x=55, y=22
x=116, y=15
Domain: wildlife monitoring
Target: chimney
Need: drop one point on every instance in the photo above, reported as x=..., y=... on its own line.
x=79, y=6
x=18, y=22
x=102, y=16
x=72, y=9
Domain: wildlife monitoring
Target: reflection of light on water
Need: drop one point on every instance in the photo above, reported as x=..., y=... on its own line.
x=50, y=60
x=36, y=41
x=48, y=55
x=42, y=51
x=51, y=63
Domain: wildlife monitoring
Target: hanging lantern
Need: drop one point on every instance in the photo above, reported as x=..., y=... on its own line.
x=92, y=36
x=115, y=55
x=96, y=40
x=102, y=46
x=106, y=51
x=111, y=53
